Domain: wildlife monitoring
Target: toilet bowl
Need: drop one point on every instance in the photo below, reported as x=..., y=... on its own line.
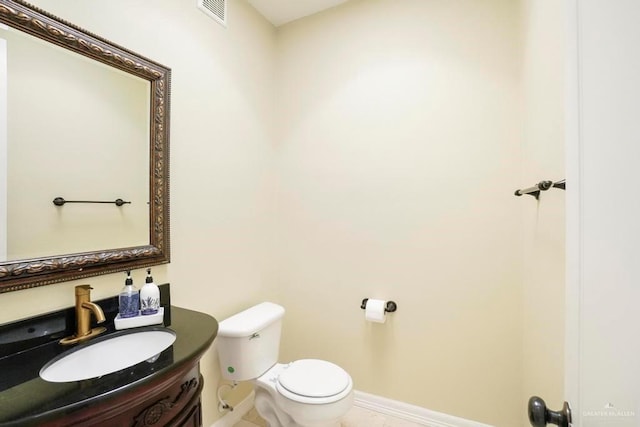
x=303, y=393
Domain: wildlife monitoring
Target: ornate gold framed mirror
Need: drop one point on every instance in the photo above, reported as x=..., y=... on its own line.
x=59, y=262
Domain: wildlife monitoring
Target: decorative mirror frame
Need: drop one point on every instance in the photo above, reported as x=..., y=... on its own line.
x=29, y=273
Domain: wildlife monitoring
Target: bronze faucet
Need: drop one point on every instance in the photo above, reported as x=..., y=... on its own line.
x=84, y=308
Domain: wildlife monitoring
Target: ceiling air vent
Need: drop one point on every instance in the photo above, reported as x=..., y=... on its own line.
x=216, y=9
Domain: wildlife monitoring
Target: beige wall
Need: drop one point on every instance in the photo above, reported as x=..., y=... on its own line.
x=399, y=151
x=544, y=221
x=368, y=151
x=221, y=156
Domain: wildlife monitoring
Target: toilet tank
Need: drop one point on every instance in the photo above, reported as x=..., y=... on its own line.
x=249, y=342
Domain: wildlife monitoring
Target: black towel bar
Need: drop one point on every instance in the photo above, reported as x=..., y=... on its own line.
x=60, y=201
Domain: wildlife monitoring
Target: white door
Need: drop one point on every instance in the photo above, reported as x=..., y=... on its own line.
x=603, y=213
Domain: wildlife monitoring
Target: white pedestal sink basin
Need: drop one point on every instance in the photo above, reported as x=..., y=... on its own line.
x=106, y=356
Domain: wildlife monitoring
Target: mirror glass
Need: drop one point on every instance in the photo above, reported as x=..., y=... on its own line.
x=83, y=120
x=89, y=145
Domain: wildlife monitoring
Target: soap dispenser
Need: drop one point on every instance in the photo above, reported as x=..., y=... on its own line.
x=129, y=298
x=149, y=296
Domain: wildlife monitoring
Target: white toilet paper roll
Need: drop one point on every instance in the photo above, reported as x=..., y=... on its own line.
x=374, y=311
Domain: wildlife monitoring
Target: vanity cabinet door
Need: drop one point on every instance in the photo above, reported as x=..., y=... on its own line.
x=191, y=416
x=171, y=408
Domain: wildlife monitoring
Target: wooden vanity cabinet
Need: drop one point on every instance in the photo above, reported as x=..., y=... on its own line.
x=172, y=399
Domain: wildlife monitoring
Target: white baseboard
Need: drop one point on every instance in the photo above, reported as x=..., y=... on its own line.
x=238, y=412
x=381, y=405
x=415, y=414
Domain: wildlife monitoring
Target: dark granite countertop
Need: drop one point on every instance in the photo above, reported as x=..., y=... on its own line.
x=26, y=399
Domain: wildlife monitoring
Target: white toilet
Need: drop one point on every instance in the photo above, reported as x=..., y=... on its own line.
x=304, y=393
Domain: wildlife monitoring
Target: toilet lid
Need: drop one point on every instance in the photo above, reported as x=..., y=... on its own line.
x=314, y=378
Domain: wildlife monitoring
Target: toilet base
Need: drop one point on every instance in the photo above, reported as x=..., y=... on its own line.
x=272, y=415
x=279, y=411
x=275, y=417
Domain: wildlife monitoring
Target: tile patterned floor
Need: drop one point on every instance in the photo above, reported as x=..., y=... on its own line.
x=357, y=417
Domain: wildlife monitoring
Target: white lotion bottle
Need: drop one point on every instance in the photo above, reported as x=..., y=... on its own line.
x=149, y=296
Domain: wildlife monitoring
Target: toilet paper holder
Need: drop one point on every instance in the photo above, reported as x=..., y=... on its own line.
x=390, y=307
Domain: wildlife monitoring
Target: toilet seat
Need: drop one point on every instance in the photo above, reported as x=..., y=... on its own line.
x=314, y=381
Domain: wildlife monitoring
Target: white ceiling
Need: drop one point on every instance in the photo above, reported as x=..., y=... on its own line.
x=279, y=12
